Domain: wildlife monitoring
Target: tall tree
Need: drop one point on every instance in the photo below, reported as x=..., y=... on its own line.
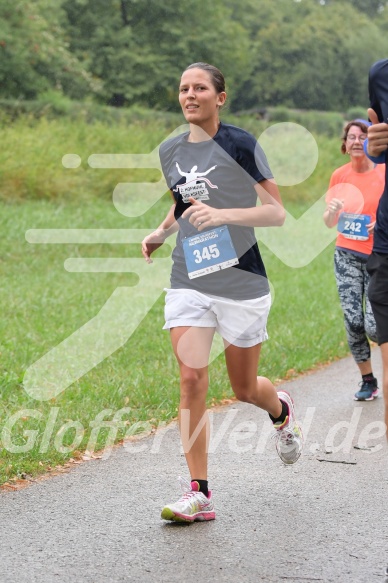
x=300, y=53
x=139, y=47
x=371, y=7
x=313, y=56
x=33, y=53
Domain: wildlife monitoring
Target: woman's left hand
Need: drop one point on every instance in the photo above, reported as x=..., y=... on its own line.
x=371, y=227
x=202, y=216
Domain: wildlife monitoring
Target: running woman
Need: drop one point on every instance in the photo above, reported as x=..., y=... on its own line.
x=352, y=199
x=216, y=172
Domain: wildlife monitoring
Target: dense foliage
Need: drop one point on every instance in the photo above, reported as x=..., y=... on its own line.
x=309, y=54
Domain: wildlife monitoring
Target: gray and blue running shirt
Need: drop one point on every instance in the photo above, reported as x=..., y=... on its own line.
x=221, y=172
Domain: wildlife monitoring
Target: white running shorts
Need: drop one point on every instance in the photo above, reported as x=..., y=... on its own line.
x=240, y=322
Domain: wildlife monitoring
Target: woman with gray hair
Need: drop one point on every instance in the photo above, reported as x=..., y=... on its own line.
x=352, y=199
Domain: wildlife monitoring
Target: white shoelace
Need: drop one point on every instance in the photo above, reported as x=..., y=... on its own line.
x=187, y=492
x=284, y=435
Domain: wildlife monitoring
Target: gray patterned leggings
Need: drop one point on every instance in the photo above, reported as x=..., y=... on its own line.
x=352, y=284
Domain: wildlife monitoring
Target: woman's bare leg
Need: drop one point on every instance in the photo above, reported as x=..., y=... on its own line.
x=192, y=348
x=384, y=355
x=365, y=367
x=242, y=365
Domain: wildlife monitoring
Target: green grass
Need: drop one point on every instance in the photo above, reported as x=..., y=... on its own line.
x=42, y=304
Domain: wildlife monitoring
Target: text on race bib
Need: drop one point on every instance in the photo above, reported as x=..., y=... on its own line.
x=209, y=251
x=354, y=226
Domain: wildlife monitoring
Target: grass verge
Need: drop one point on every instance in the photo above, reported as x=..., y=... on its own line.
x=43, y=304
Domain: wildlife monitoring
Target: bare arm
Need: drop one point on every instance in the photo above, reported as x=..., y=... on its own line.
x=168, y=227
x=330, y=216
x=270, y=213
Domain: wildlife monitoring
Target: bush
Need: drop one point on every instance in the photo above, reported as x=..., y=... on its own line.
x=327, y=123
x=55, y=101
x=279, y=114
x=356, y=113
x=54, y=105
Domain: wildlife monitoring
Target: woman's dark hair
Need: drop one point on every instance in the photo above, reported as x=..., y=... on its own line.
x=216, y=76
x=363, y=127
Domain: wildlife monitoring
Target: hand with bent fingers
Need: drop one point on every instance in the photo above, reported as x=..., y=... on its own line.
x=371, y=227
x=335, y=205
x=377, y=135
x=151, y=243
x=202, y=216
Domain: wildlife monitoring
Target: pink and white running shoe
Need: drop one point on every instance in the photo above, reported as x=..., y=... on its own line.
x=192, y=506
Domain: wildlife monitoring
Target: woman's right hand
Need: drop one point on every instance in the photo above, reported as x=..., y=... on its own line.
x=335, y=205
x=151, y=243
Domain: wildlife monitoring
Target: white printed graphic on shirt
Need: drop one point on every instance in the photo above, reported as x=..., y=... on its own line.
x=193, y=187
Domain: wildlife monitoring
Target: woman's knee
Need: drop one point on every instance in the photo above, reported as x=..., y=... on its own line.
x=371, y=333
x=370, y=328
x=244, y=391
x=194, y=383
x=355, y=329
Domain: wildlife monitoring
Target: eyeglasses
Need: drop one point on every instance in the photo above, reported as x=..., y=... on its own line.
x=353, y=138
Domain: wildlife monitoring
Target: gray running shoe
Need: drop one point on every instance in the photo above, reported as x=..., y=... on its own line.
x=288, y=435
x=368, y=391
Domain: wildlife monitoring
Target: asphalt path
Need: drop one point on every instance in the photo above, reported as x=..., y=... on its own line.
x=323, y=519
